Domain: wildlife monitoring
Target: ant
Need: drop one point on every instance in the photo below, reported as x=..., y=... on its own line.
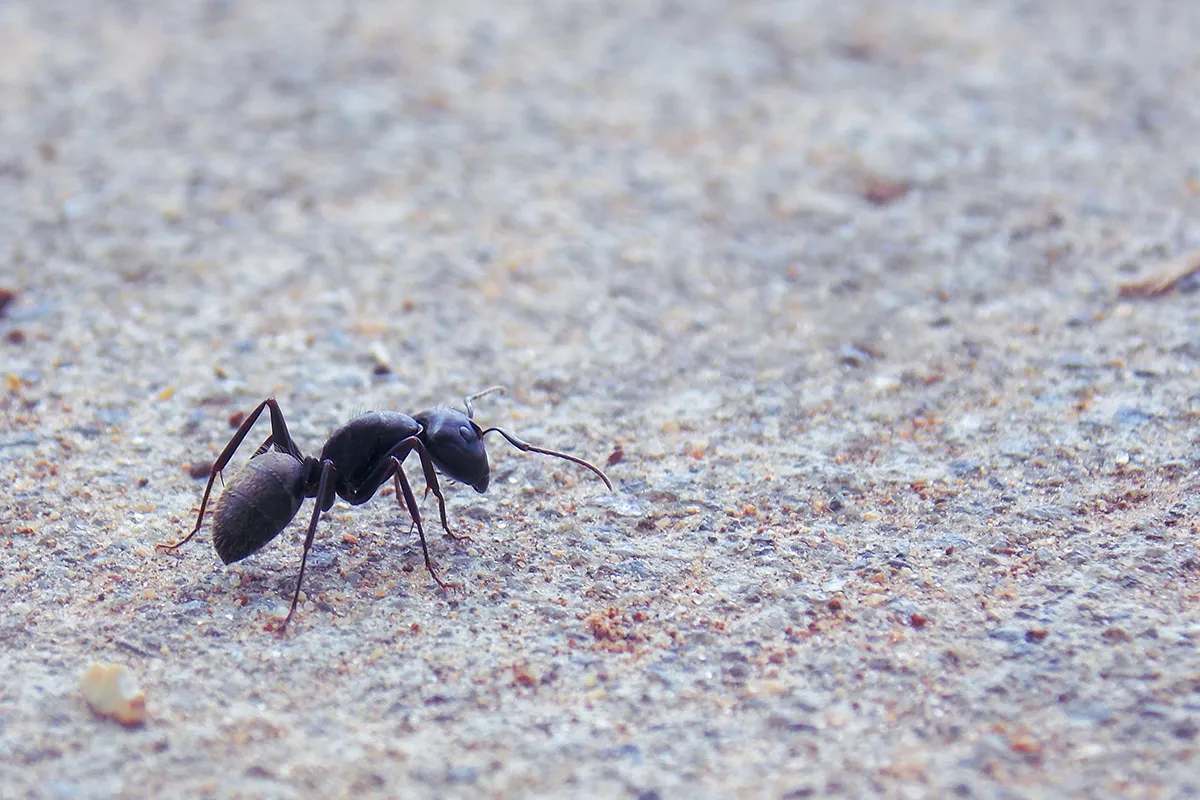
x=359, y=457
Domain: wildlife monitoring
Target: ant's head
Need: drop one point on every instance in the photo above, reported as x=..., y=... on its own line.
x=455, y=443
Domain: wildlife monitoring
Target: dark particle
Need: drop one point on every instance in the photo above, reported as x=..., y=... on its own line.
x=199, y=469
x=882, y=191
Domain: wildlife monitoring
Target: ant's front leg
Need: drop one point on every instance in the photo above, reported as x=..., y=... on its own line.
x=411, y=501
x=392, y=467
x=432, y=485
x=384, y=470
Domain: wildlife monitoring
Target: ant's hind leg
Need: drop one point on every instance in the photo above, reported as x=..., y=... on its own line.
x=265, y=446
x=279, y=435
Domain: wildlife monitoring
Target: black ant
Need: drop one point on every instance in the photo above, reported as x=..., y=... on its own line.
x=260, y=501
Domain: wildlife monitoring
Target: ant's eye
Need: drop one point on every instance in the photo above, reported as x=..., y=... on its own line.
x=468, y=434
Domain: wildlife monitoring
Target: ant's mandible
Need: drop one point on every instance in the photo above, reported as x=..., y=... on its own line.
x=260, y=501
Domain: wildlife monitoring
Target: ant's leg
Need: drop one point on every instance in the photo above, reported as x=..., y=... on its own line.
x=265, y=446
x=262, y=448
x=400, y=501
x=324, y=493
x=279, y=433
x=526, y=447
x=399, y=496
x=416, y=515
x=432, y=485
x=391, y=466
x=383, y=471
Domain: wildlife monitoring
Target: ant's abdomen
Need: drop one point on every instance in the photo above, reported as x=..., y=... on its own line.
x=257, y=504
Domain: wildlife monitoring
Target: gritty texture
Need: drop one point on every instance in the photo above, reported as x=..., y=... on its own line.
x=905, y=491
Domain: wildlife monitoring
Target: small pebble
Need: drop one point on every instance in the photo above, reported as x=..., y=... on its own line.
x=200, y=469
x=111, y=690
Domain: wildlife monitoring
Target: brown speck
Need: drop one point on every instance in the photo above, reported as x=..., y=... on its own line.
x=15, y=336
x=882, y=191
x=6, y=297
x=1036, y=635
x=917, y=620
x=834, y=604
x=616, y=456
x=522, y=677
x=1116, y=635
x=857, y=50
x=199, y=469
x=602, y=629
x=1026, y=745
x=237, y=418
x=381, y=369
x=436, y=100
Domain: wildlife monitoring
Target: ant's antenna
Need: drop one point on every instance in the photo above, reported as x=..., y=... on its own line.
x=467, y=400
x=528, y=448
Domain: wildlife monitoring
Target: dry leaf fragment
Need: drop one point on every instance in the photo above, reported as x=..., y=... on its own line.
x=1166, y=279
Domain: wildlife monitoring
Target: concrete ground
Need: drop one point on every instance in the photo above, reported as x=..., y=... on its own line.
x=905, y=489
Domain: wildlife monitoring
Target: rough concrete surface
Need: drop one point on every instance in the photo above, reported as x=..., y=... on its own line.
x=907, y=498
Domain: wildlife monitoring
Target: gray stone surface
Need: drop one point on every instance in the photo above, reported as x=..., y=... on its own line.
x=907, y=503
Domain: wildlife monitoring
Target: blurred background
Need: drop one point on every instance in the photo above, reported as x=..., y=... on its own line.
x=904, y=485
